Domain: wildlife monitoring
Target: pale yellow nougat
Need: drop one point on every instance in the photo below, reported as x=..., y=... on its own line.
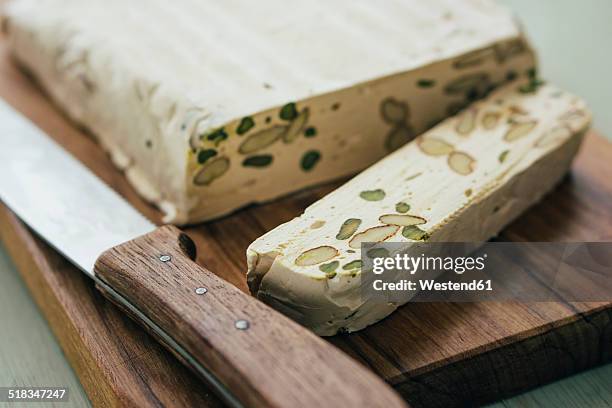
x=463, y=180
x=210, y=105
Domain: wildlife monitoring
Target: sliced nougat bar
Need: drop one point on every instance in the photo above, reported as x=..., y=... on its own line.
x=463, y=180
x=210, y=105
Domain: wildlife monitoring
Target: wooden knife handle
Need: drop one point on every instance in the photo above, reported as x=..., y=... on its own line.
x=252, y=354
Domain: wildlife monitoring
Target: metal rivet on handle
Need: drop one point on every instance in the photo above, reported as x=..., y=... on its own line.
x=201, y=291
x=241, y=324
x=165, y=258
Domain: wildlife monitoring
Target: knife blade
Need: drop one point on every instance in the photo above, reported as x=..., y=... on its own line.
x=250, y=354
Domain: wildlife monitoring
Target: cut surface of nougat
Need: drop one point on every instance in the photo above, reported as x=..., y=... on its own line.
x=463, y=180
x=210, y=105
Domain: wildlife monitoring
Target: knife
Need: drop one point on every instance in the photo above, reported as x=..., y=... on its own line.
x=250, y=354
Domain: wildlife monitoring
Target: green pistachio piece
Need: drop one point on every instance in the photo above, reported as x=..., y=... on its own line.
x=426, y=83
x=402, y=207
x=534, y=82
x=532, y=73
x=204, y=155
x=211, y=171
x=531, y=87
x=503, y=155
x=310, y=159
x=348, y=228
x=330, y=268
x=357, y=264
x=288, y=112
x=414, y=233
x=310, y=131
x=258, y=161
x=245, y=125
x=372, y=195
x=217, y=136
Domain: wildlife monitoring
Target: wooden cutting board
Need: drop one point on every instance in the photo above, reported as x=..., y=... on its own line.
x=434, y=354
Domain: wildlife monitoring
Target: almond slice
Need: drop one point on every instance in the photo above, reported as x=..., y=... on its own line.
x=490, y=120
x=467, y=122
x=212, y=171
x=402, y=220
x=461, y=163
x=348, y=228
x=519, y=130
x=374, y=234
x=435, y=147
x=262, y=139
x=316, y=255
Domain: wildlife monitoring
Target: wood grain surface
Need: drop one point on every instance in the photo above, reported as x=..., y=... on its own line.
x=262, y=357
x=117, y=363
x=434, y=354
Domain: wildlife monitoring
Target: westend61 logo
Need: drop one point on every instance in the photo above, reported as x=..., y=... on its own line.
x=412, y=264
x=394, y=272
